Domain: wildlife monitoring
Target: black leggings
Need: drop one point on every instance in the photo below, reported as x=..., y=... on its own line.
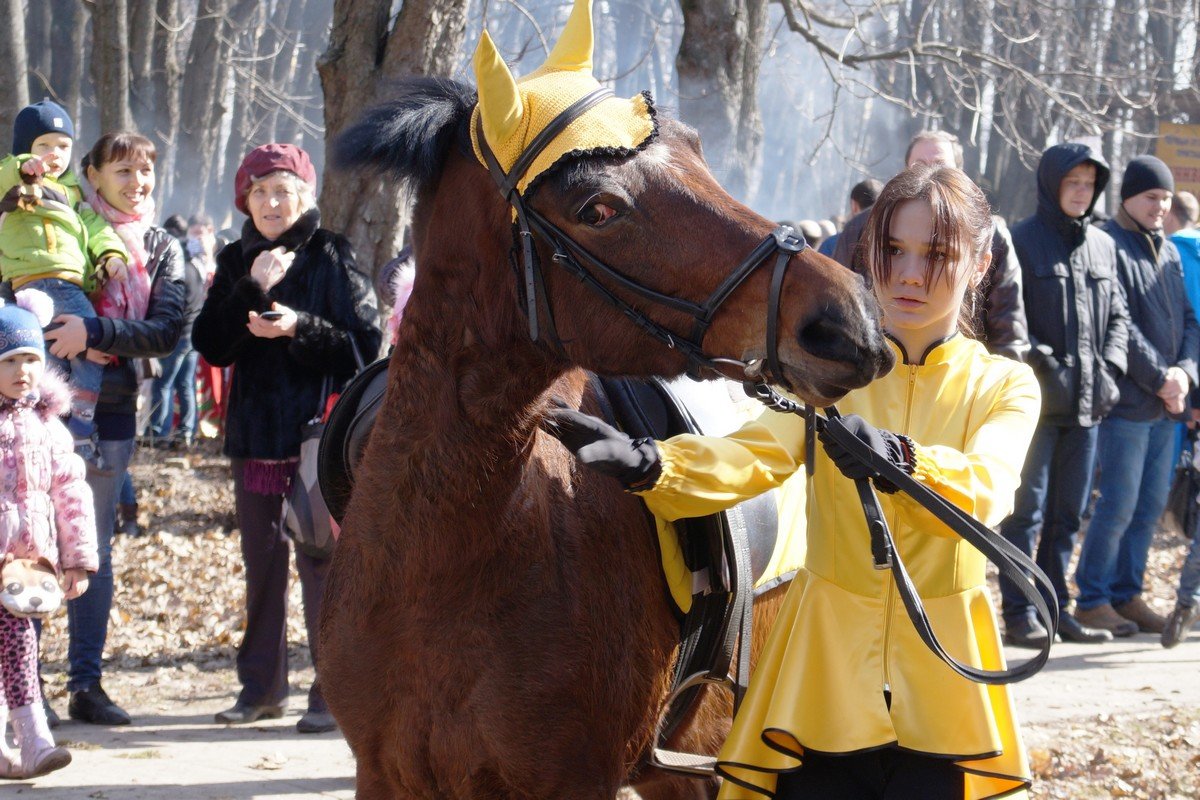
x=884, y=774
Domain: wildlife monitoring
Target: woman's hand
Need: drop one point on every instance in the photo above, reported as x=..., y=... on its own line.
x=285, y=325
x=69, y=339
x=74, y=582
x=270, y=266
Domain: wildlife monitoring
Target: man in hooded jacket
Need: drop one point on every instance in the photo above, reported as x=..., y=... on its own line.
x=1078, y=332
x=1136, y=445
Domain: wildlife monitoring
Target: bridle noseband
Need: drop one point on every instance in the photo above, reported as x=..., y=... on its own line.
x=782, y=244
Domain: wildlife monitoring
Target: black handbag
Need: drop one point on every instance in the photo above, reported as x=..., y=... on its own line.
x=1181, y=511
x=306, y=517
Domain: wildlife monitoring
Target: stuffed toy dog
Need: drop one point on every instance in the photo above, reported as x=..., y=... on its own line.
x=29, y=588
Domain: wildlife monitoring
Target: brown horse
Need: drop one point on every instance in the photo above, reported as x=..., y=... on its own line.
x=496, y=622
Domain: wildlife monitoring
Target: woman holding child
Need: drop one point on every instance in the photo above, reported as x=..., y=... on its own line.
x=140, y=317
x=291, y=313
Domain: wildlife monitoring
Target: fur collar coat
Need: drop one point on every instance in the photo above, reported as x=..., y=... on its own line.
x=46, y=506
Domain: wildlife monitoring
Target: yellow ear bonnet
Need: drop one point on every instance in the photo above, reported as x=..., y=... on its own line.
x=513, y=112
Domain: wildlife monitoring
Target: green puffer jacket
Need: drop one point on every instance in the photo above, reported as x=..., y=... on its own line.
x=61, y=238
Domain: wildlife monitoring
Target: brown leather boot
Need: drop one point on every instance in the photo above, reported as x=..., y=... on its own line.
x=1148, y=620
x=1103, y=616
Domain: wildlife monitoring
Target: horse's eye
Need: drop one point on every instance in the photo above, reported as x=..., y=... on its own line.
x=596, y=214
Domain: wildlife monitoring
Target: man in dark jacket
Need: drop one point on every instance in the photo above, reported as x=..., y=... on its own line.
x=1002, y=317
x=1137, y=440
x=1078, y=329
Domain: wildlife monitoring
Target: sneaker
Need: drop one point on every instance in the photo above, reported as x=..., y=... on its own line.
x=1179, y=622
x=93, y=705
x=1103, y=616
x=1137, y=610
x=244, y=714
x=1071, y=630
x=316, y=722
x=1025, y=632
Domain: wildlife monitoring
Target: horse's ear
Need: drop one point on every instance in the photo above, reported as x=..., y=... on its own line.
x=573, y=52
x=500, y=107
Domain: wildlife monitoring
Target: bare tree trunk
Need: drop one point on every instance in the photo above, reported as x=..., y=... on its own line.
x=110, y=64
x=718, y=64
x=141, y=27
x=167, y=78
x=67, y=64
x=14, y=89
x=204, y=83
x=39, y=47
x=363, y=56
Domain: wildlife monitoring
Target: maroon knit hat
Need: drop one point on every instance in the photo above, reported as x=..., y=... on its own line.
x=267, y=159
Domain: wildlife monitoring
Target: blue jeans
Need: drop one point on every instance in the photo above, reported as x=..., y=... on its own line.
x=178, y=380
x=1053, y=494
x=87, y=616
x=83, y=376
x=1136, y=459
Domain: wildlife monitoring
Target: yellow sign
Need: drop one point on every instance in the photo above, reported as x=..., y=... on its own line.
x=1179, y=147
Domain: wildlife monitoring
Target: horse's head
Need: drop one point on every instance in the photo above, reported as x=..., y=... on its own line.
x=632, y=240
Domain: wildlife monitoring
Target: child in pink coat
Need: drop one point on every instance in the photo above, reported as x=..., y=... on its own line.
x=45, y=512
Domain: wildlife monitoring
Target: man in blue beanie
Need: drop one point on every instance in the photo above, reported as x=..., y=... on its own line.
x=1137, y=440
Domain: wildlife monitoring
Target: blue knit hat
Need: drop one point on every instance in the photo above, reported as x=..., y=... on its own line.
x=37, y=119
x=20, y=332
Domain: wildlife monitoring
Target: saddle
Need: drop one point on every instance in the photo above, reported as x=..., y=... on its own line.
x=725, y=553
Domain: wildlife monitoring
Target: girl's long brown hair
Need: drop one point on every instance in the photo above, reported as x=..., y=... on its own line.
x=962, y=228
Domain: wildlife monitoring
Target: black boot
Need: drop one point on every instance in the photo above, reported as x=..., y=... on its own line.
x=127, y=521
x=1071, y=630
x=1025, y=632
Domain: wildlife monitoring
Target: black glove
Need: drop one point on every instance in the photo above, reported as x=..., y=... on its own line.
x=600, y=446
x=884, y=444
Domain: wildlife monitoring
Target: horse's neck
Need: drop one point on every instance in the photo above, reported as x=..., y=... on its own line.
x=465, y=398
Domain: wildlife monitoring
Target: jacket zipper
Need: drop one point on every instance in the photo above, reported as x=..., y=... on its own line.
x=889, y=582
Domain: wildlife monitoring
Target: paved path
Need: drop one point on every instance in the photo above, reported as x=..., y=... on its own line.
x=174, y=752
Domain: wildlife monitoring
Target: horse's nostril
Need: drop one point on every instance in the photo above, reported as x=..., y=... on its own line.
x=828, y=337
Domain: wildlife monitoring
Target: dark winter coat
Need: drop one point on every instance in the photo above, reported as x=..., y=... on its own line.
x=1163, y=331
x=278, y=383
x=193, y=279
x=155, y=336
x=1003, y=328
x=1078, y=323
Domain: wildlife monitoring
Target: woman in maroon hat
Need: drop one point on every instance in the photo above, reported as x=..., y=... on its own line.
x=289, y=310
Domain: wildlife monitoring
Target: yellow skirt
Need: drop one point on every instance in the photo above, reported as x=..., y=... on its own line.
x=820, y=679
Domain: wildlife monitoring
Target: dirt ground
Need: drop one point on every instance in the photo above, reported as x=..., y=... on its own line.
x=1120, y=720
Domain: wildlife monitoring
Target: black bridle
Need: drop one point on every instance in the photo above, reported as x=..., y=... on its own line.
x=781, y=244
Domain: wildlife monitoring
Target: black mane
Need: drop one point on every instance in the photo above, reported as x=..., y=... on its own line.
x=410, y=134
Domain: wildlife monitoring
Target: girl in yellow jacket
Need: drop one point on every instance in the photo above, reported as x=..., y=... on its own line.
x=846, y=701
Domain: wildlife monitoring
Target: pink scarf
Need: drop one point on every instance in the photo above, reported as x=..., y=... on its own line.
x=127, y=299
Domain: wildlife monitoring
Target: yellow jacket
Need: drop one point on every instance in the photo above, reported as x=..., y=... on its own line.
x=843, y=637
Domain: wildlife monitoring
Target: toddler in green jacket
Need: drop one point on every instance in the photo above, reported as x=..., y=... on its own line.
x=50, y=240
